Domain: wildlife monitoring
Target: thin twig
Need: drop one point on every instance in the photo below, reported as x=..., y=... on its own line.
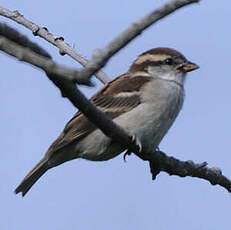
x=44, y=63
x=64, y=48
x=22, y=40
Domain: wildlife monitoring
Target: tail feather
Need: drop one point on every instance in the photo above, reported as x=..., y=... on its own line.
x=32, y=177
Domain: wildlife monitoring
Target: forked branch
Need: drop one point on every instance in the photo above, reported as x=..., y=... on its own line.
x=43, y=32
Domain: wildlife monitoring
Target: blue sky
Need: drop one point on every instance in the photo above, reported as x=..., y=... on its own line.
x=113, y=194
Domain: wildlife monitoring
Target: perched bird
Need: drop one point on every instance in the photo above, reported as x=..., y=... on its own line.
x=144, y=101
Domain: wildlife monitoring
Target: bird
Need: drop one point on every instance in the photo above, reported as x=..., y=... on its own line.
x=145, y=101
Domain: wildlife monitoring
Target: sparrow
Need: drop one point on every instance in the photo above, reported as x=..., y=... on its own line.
x=145, y=101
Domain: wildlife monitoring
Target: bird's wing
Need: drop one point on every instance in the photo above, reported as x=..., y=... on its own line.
x=117, y=97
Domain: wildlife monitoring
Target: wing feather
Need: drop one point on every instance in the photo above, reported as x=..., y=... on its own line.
x=119, y=96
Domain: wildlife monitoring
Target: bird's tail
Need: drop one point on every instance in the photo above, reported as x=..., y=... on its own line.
x=32, y=177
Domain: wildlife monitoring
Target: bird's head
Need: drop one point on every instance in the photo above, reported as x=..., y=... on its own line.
x=162, y=63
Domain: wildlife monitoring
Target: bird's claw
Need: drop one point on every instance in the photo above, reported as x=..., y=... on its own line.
x=126, y=154
x=135, y=140
x=137, y=143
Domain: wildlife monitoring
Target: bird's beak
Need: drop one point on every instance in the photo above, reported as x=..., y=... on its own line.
x=187, y=67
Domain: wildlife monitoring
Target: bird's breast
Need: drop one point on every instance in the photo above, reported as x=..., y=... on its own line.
x=149, y=121
x=163, y=101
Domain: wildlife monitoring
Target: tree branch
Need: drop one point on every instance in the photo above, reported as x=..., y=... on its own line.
x=17, y=37
x=161, y=162
x=64, y=48
x=44, y=63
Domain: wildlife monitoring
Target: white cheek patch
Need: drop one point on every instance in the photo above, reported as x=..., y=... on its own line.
x=151, y=57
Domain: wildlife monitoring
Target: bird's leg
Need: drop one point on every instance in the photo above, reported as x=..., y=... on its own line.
x=135, y=140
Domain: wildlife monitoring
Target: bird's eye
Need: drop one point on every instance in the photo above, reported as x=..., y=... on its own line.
x=168, y=61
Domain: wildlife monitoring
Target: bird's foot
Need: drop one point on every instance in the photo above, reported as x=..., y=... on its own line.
x=135, y=140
